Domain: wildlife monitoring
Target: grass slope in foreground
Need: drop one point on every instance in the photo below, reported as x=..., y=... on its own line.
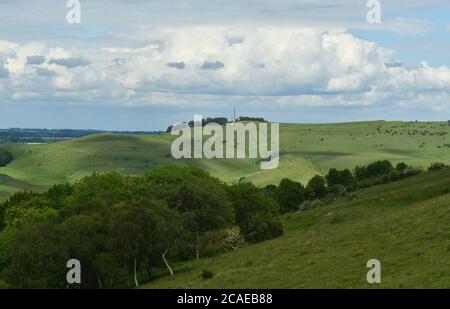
x=405, y=225
x=305, y=150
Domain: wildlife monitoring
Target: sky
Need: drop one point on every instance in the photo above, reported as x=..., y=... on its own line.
x=143, y=65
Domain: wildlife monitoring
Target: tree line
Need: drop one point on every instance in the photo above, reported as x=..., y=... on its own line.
x=293, y=196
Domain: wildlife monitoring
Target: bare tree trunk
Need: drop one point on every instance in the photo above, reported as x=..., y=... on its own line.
x=135, y=273
x=167, y=263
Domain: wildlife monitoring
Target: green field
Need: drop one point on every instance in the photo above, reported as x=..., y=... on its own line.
x=305, y=150
x=405, y=225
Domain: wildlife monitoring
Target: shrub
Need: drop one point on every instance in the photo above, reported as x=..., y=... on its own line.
x=379, y=168
x=5, y=157
x=343, y=177
x=216, y=242
x=290, y=194
x=264, y=227
x=401, y=167
x=338, y=190
x=437, y=166
x=207, y=274
x=211, y=243
x=255, y=212
x=316, y=188
x=233, y=239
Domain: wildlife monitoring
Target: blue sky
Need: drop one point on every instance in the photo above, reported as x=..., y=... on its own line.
x=142, y=65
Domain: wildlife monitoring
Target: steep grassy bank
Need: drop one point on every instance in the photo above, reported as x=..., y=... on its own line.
x=405, y=225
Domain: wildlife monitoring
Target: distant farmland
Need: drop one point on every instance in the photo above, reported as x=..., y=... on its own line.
x=305, y=150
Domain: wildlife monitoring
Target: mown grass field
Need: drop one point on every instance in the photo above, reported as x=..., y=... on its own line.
x=405, y=225
x=305, y=150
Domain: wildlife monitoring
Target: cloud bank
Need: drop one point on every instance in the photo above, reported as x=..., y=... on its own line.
x=185, y=66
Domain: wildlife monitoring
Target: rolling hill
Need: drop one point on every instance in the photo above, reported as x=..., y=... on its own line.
x=305, y=150
x=405, y=225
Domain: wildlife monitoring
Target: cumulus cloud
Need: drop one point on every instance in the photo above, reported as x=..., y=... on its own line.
x=267, y=65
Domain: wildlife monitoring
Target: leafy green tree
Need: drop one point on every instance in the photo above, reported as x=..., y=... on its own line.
x=84, y=237
x=110, y=187
x=436, y=166
x=165, y=182
x=204, y=204
x=127, y=236
x=360, y=173
x=58, y=194
x=37, y=261
x=263, y=226
x=340, y=177
x=16, y=199
x=201, y=199
x=270, y=190
x=290, y=194
x=256, y=213
x=316, y=188
x=379, y=168
x=401, y=167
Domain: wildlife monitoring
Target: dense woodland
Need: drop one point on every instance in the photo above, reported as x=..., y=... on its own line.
x=129, y=230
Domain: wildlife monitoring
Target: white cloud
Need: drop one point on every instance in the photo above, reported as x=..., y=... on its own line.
x=185, y=66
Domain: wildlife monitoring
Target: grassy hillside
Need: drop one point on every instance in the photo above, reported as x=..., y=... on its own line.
x=305, y=150
x=405, y=225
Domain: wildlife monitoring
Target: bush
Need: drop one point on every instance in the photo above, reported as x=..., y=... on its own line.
x=5, y=157
x=264, y=227
x=3, y=285
x=207, y=274
x=401, y=167
x=290, y=194
x=343, y=177
x=255, y=212
x=437, y=166
x=338, y=190
x=211, y=243
x=376, y=169
x=379, y=168
x=316, y=188
x=216, y=242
